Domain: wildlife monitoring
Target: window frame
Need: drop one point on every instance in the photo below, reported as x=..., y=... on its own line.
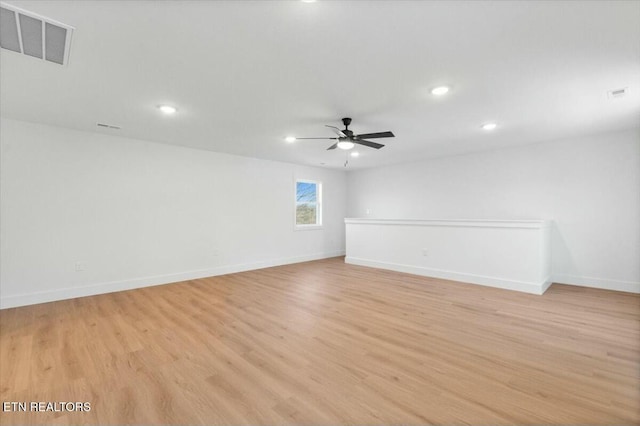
x=319, y=204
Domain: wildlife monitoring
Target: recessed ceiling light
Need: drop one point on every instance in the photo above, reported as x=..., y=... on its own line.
x=489, y=126
x=290, y=139
x=439, y=91
x=345, y=145
x=308, y=1
x=167, y=109
x=355, y=154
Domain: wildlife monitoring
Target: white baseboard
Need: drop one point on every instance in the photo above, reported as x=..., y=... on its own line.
x=109, y=287
x=603, y=283
x=547, y=283
x=527, y=287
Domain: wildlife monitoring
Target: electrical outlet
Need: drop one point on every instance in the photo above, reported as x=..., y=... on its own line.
x=80, y=266
x=425, y=252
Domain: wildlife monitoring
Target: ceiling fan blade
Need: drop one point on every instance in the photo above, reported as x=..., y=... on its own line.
x=334, y=146
x=376, y=135
x=335, y=139
x=368, y=143
x=338, y=131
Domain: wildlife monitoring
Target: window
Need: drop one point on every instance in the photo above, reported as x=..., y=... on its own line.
x=308, y=203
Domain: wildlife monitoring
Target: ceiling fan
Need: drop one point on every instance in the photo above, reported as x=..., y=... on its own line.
x=347, y=140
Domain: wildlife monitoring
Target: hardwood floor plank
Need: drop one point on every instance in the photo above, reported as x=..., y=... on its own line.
x=327, y=343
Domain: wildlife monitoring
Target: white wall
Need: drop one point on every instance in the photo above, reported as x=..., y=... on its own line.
x=589, y=187
x=138, y=213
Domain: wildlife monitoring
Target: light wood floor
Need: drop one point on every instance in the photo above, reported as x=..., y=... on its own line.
x=327, y=343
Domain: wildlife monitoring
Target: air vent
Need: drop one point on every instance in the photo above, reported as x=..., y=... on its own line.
x=618, y=93
x=108, y=126
x=34, y=35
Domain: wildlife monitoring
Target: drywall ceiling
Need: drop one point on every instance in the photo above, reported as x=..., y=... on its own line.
x=246, y=74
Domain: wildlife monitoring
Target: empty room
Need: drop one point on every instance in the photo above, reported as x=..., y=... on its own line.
x=320, y=212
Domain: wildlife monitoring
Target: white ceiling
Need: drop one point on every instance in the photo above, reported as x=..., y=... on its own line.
x=246, y=74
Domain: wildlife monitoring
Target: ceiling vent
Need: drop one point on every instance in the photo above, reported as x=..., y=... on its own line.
x=34, y=35
x=618, y=93
x=108, y=126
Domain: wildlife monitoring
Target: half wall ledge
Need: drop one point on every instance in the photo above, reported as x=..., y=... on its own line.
x=508, y=254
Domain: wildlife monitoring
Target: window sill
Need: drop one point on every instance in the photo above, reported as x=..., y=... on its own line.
x=307, y=227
